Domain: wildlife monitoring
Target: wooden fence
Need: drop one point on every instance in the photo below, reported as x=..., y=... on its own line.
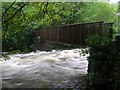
x=74, y=33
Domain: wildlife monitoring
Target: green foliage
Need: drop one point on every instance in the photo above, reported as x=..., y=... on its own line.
x=96, y=40
x=19, y=19
x=56, y=45
x=104, y=64
x=22, y=41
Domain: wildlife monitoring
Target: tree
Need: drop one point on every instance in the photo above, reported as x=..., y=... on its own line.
x=20, y=19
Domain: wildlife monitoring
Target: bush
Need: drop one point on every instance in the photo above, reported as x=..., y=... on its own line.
x=104, y=64
x=22, y=41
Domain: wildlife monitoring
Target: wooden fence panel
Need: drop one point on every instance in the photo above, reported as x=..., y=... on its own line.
x=80, y=36
x=45, y=34
x=60, y=34
x=63, y=34
x=42, y=34
x=83, y=34
x=86, y=34
x=53, y=34
x=73, y=34
x=77, y=34
x=67, y=27
x=58, y=30
x=55, y=30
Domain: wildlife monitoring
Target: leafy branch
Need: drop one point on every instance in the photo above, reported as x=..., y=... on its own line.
x=20, y=9
x=8, y=9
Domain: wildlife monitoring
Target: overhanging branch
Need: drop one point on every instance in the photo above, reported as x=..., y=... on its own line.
x=8, y=9
x=15, y=13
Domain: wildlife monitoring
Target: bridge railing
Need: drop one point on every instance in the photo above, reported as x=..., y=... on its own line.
x=74, y=33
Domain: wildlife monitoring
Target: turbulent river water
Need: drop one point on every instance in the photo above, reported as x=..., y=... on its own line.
x=42, y=69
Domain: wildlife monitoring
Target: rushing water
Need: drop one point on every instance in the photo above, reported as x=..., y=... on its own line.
x=42, y=69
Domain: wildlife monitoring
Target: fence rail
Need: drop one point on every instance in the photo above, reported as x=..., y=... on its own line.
x=74, y=33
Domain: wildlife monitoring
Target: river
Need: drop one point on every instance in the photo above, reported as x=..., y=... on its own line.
x=42, y=69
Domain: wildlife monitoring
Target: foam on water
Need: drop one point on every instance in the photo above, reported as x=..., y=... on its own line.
x=34, y=69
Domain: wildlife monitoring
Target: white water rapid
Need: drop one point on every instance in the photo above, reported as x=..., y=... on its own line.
x=42, y=69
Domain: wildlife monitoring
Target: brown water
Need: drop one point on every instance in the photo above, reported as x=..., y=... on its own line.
x=42, y=69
